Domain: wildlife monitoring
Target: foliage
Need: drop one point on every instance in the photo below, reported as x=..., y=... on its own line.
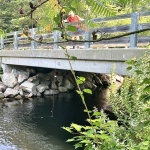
x=2, y=32
x=131, y=105
x=9, y=15
x=43, y=17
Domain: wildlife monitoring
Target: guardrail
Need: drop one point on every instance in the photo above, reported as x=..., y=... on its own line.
x=16, y=41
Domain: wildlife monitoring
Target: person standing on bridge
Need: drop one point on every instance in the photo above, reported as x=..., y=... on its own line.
x=74, y=18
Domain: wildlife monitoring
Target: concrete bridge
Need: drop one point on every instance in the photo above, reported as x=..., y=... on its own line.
x=88, y=60
x=18, y=50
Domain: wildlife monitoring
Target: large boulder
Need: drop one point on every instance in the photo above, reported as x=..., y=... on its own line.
x=11, y=92
x=17, y=87
x=38, y=94
x=20, y=72
x=9, y=80
x=34, y=80
x=28, y=95
x=59, y=79
x=53, y=85
x=62, y=89
x=52, y=74
x=31, y=71
x=98, y=80
x=22, y=77
x=51, y=92
x=1, y=95
x=106, y=79
x=2, y=87
x=44, y=78
x=67, y=84
x=42, y=87
x=45, y=82
x=28, y=87
x=18, y=97
x=88, y=84
x=119, y=78
x=89, y=76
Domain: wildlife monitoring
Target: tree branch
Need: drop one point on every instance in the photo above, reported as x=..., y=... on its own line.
x=98, y=40
x=36, y=8
x=113, y=37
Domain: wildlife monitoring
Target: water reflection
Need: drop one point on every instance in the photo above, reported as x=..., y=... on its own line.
x=36, y=124
x=30, y=126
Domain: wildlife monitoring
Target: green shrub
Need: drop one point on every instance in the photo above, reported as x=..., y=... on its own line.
x=131, y=105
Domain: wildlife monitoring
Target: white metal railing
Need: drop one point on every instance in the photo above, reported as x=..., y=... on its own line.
x=15, y=41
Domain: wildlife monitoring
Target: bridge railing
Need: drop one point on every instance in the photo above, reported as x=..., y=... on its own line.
x=16, y=40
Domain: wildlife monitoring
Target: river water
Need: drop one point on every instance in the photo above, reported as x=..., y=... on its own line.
x=36, y=123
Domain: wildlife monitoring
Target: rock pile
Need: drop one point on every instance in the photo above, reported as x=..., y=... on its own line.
x=19, y=83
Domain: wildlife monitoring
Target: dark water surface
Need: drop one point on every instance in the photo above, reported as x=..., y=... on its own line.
x=36, y=124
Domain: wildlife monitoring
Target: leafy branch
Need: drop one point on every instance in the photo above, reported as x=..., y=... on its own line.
x=98, y=40
x=32, y=10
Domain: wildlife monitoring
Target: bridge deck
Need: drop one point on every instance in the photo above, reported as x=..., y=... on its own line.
x=98, y=61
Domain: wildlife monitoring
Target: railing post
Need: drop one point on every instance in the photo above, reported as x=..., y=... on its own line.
x=2, y=42
x=87, y=38
x=16, y=40
x=56, y=39
x=134, y=27
x=33, y=43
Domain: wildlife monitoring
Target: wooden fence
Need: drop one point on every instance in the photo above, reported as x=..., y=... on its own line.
x=15, y=40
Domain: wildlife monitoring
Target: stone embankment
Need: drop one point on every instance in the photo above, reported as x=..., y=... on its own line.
x=29, y=83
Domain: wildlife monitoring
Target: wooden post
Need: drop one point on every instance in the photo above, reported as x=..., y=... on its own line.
x=134, y=27
x=56, y=39
x=15, y=40
x=87, y=37
x=33, y=43
x=2, y=42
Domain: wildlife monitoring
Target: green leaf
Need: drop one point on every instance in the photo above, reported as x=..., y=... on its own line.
x=147, y=89
x=76, y=127
x=85, y=141
x=57, y=19
x=129, y=68
x=90, y=132
x=87, y=91
x=146, y=143
x=73, y=58
x=146, y=81
x=138, y=72
x=81, y=78
x=104, y=137
x=97, y=113
x=144, y=97
x=67, y=129
x=79, y=81
x=89, y=147
x=78, y=145
x=70, y=140
x=85, y=110
x=130, y=62
x=147, y=110
x=71, y=28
